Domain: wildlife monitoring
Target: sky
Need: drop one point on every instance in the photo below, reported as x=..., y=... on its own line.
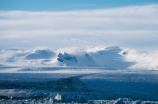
x=79, y=23
x=65, y=5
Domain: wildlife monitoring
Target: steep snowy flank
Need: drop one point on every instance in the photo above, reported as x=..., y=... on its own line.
x=67, y=58
x=76, y=60
x=109, y=57
x=40, y=54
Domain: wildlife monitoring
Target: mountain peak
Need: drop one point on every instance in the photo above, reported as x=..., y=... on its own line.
x=40, y=54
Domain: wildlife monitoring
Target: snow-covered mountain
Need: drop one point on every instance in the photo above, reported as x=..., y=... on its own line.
x=40, y=54
x=76, y=60
x=110, y=57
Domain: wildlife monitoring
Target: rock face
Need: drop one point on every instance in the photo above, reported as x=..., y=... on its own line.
x=66, y=57
x=40, y=54
x=76, y=60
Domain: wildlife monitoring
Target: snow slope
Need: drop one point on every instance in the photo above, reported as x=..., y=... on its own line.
x=41, y=54
x=77, y=60
x=113, y=57
x=109, y=57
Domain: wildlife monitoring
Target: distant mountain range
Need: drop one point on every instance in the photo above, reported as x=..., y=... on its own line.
x=110, y=57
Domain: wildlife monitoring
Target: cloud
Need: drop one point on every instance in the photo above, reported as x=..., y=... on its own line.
x=125, y=18
x=143, y=60
x=125, y=26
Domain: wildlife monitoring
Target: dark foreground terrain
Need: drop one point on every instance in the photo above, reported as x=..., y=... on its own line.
x=73, y=87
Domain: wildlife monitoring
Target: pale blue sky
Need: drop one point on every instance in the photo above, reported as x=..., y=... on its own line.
x=64, y=5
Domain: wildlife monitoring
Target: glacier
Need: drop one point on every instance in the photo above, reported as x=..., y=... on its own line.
x=105, y=86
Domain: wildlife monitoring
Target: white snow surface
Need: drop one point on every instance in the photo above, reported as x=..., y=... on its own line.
x=110, y=57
